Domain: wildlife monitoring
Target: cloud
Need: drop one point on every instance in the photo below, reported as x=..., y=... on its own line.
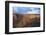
x=29, y=12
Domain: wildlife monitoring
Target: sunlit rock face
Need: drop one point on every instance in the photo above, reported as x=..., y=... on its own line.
x=28, y=20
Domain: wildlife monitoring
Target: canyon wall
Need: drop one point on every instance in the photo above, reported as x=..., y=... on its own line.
x=26, y=20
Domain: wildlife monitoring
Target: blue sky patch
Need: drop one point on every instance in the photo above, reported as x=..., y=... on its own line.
x=26, y=10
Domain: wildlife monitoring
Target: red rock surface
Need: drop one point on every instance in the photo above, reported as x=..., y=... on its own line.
x=27, y=20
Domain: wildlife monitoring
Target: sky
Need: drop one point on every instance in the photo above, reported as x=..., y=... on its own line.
x=26, y=10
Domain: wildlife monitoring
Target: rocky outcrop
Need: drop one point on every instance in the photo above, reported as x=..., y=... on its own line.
x=27, y=20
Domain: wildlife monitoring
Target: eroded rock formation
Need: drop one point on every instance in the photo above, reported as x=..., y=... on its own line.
x=28, y=20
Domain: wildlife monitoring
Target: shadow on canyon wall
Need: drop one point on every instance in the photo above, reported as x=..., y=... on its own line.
x=27, y=20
